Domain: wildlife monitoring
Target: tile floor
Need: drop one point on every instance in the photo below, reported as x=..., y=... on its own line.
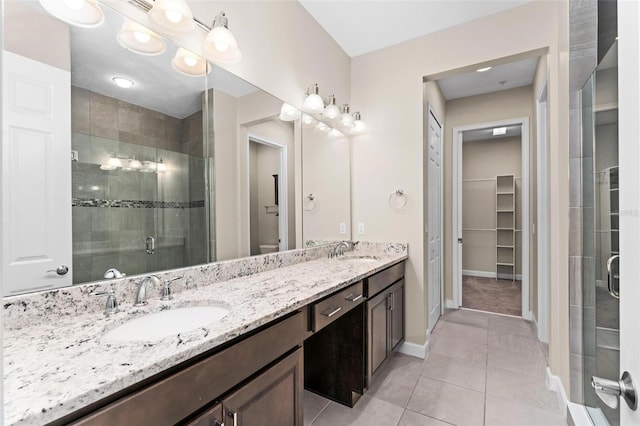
x=481, y=369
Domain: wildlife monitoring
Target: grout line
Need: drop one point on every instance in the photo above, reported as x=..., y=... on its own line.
x=320, y=412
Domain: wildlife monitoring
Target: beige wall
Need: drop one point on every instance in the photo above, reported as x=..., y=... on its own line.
x=24, y=30
x=387, y=84
x=482, y=161
x=506, y=104
x=326, y=175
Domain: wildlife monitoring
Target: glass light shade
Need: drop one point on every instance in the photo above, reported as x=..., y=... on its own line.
x=288, y=112
x=132, y=164
x=308, y=121
x=331, y=112
x=161, y=167
x=313, y=104
x=188, y=63
x=81, y=13
x=112, y=164
x=347, y=120
x=359, y=127
x=140, y=39
x=123, y=82
x=323, y=128
x=335, y=134
x=221, y=46
x=172, y=15
x=148, y=167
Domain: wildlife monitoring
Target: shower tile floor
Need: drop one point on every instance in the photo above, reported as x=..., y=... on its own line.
x=481, y=369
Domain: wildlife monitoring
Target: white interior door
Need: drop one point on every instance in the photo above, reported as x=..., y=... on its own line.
x=434, y=141
x=629, y=184
x=36, y=176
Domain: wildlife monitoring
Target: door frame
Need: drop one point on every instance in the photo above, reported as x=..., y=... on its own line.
x=283, y=191
x=456, y=211
x=431, y=111
x=542, y=232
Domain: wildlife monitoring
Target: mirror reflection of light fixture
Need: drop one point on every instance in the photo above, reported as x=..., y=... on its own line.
x=313, y=103
x=132, y=165
x=323, y=128
x=123, y=82
x=81, y=13
x=112, y=163
x=148, y=167
x=172, y=15
x=335, y=133
x=188, y=63
x=220, y=45
x=140, y=39
x=359, y=126
x=160, y=166
x=288, y=112
x=332, y=112
x=347, y=119
x=308, y=121
x=498, y=131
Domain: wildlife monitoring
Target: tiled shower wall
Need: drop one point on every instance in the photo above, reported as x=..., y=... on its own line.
x=583, y=37
x=114, y=211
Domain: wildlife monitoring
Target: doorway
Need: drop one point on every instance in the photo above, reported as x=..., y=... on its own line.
x=491, y=216
x=268, y=212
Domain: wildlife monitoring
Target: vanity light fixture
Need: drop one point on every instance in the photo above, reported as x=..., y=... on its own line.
x=172, y=15
x=132, y=165
x=160, y=166
x=148, y=167
x=313, y=103
x=288, y=112
x=322, y=127
x=483, y=69
x=188, y=63
x=359, y=126
x=220, y=45
x=331, y=111
x=335, y=133
x=347, y=119
x=81, y=13
x=140, y=39
x=123, y=82
x=498, y=131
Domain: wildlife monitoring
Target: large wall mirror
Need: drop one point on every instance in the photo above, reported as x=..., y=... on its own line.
x=174, y=162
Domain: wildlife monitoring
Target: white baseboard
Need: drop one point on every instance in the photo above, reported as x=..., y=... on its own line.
x=554, y=384
x=413, y=349
x=450, y=305
x=484, y=274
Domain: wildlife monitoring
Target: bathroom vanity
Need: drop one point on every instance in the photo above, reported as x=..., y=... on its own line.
x=64, y=369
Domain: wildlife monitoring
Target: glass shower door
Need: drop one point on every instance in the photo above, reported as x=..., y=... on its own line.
x=601, y=255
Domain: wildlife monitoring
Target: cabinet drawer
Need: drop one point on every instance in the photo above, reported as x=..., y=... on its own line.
x=383, y=279
x=330, y=309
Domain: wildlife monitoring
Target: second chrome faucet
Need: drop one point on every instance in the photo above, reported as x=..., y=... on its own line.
x=154, y=281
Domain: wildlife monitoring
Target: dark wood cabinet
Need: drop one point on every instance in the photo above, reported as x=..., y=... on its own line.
x=385, y=317
x=273, y=397
x=211, y=417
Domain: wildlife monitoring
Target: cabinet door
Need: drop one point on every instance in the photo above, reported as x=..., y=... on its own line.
x=377, y=333
x=396, y=311
x=274, y=397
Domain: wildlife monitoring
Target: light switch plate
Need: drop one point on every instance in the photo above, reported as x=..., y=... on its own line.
x=360, y=228
x=343, y=228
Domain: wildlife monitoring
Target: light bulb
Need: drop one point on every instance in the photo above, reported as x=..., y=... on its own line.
x=313, y=104
x=308, y=121
x=288, y=113
x=190, y=61
x=187, y=63
x=222, y=45
x=74, y=4
x=135, y=164
x=161, y=166
x=142, y=37
x=323, y=128
x=125, y=83
x=173, y=16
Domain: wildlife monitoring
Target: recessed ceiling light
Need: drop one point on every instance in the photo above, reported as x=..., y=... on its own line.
x=125, y=83
x=499, y=131
x=483, y=69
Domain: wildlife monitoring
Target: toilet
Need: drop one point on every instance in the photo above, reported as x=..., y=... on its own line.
x=268, y=248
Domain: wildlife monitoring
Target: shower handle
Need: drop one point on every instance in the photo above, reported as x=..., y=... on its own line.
x=150, y=245
x=612, y=291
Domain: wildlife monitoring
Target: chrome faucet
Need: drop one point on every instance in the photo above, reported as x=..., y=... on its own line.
x=111, y=307
x=141, y=296
x=114, y=273
x=166, y=290
x=338, y=250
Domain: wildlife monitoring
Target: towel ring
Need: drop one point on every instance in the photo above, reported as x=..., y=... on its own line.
x=398, y=199
x=309, y=202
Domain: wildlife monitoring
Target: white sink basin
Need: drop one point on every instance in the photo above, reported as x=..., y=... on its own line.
x=166, y=323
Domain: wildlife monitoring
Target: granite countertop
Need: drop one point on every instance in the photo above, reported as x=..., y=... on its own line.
x=56, y=368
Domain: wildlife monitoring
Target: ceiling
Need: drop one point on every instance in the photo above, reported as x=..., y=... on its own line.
x=362, y=26
x=501, y=77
